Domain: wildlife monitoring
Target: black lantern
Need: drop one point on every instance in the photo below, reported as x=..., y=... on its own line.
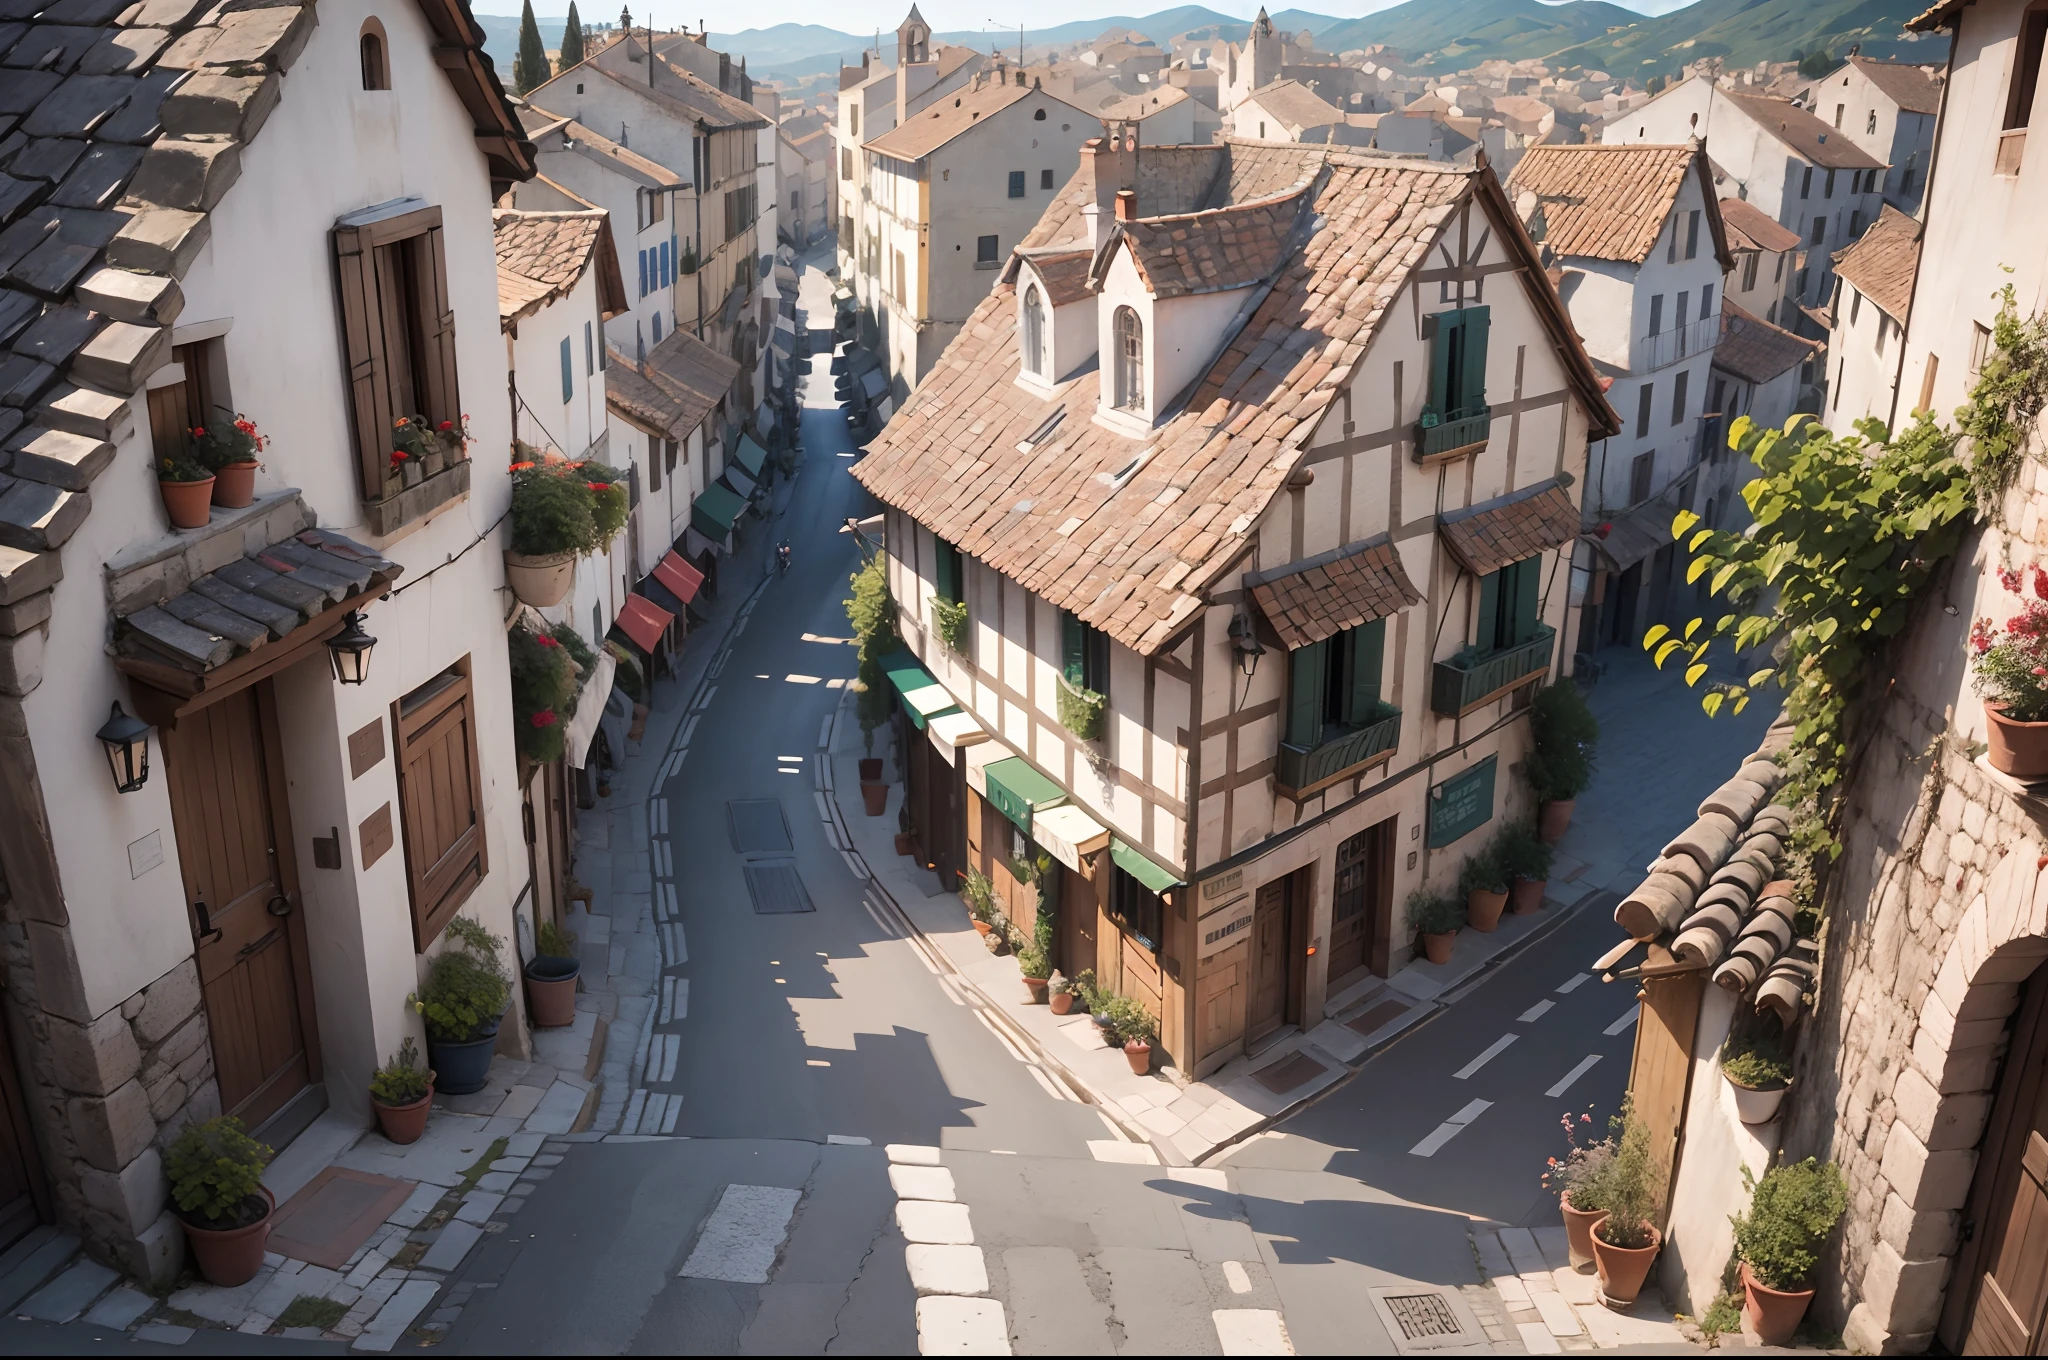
x=1244, y=640
x=126, y=739
x=351, y=650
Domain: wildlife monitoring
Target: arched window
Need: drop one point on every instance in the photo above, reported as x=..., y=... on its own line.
x=1034, y=331
x=1130, y=360
x=376, y=71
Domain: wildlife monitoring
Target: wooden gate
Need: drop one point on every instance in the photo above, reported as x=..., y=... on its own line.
x=1998, y=1304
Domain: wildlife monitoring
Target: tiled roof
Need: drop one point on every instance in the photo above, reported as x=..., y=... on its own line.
x=680, y=384
x=1751, y=228
x=1138, y=107
x=948, y=116
x=681, y=93
x=1936, y=16
x=125, y=124
x=1065, y=273
x=1296, y=105
x=1510, y=528
x=1881, y=263
x=1805, y=134
x=1915, y=89
x=541, y=255
x=1753, y=349
x=1609, y=202
x=1128, y=533
x=1211, y=251
x=1309, y=602
x=540, y=123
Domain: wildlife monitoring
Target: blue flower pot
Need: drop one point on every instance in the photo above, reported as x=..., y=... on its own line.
x=461, y=1068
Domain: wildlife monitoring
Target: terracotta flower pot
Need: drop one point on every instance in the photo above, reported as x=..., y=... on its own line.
x=984, y=927
x=903, y=845
x=405, y=1123
x=1437, y=948
x=189, y=504
x=551, y=990
x=1773, y=1314
x=1526, y=896
x=1483, y=909
x=1036, y=986
x=231, y=1256
x=1553, y=819
x=540, y=580
x=870, y=769
x=874, y=797
x=1062, y=1002
x=1623, y=1269
x=1138, y=1054
x=2019, y=749
x=1754, y=1106
x=234, y=486
x=1578, y=1231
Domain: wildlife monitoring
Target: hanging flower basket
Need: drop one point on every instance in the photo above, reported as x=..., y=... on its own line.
x=540, y=581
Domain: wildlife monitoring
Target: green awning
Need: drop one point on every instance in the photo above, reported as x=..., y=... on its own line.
x=750, y=456
x=715, y=512
x=1134, y=863
x=1017, y=790
x=923, y=697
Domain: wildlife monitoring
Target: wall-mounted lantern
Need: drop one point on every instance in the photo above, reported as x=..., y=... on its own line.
x=126, y=739
x=351, y=650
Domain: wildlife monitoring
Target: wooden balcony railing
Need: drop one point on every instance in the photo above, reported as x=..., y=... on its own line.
x=1466, y=682
x=1454, y=438
x=1302, y=770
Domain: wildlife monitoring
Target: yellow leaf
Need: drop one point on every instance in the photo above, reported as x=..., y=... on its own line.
x=1683, y=522
x=1692, y=628
x=1711, y=702
x=1666, y=650
x=1655, y=635
x=1741, y=702
x=1693, y=674
x=1760, y=677
x=1699, y=538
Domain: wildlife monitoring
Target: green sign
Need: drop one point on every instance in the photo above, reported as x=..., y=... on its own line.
x=1461, y=804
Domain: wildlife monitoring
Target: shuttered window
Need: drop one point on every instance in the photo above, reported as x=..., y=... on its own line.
x=568, y=372
x=1509, y=612
x=440, y=800
x=1335, y=683
x=1457, y=362
x=1084, y=654
x=399, y=332
x=949, y=580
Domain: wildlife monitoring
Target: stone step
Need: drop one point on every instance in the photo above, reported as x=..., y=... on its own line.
x=33, y=1266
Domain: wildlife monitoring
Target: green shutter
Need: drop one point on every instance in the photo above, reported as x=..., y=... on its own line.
x=1095, y=659
x=1447, y=336
x=1073, y=648
x=1486, y=636
x=1472, y=369
x=1527, y=613
x=1367, y=642
x=1305, y=678
x=947, y=573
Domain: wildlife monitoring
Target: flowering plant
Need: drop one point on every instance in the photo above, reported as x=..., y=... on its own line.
x=415, y=437
x=224, y=444
x=1582, y=1171
x=543, y=692
x=2012, y=666
x=559, y=506
x=182, y=466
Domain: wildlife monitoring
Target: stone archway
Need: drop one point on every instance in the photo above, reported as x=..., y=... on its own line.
x=1941, y=1099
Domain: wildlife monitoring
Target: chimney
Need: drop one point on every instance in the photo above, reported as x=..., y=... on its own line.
x=1126, y=205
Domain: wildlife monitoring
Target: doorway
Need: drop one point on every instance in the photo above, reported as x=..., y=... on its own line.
x=1620, y=608
x=1276, y=983
x=2000, y=1303
x=235, y=847
x=1362, y=906
x=22, y=1191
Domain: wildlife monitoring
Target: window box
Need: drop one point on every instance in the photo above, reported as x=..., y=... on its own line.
x=429, y=493
x=1472, y=678
x=1454, y=438
x=1082, y=710
x=949, y=621
x=1303, y=770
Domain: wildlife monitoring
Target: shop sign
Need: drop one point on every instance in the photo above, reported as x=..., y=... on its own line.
x=1461, y=804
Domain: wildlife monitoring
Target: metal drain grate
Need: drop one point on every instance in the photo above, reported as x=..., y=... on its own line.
x=758, y=826
x=1423, y=1317
x=1419, y=1319
x=776, y=889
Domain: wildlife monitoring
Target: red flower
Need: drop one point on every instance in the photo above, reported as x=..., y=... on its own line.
x=447, y=425
x=544, y=640
x=545, y=718
x=398, y=456
x=198, y=432
x=521, y=467
x=599, y=486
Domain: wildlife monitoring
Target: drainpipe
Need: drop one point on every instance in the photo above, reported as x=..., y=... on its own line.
x=1948, y=76
x=700, y=152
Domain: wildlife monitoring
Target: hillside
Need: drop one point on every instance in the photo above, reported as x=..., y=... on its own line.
x=1449, y=34
x=1745, y=32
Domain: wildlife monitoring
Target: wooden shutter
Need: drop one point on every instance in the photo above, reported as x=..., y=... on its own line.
x=1306, y=669
x=1367, y=643
x=375, y=332
x=1095, y=659
x=1525, y=611
x=441, y=804
x=362, y=331
x=1440, y=394
x=1488, y=635
x=1073, y=648
x=440, y=389
x=947, y=570
x=1472, y=327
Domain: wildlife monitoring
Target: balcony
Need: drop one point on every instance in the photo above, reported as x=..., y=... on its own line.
x=1302, y=770
x=1665, y=348
x=1472, y=680
x=1454, y=438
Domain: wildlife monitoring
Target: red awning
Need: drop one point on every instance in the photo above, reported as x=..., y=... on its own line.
x=682, y=579
x=643, y=621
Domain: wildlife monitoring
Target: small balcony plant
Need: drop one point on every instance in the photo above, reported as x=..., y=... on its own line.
x=1082, y=710
x=1579, y=1178
x=1526, y=860
x=186, y=485
x=1483, y=882
x=1436, y=918
x=216, y=1173
x=543, y=693
x=1791, y=1212
x=1625, y=1243
x=232, y=450
x=551, y=977
x=401, y=1092
x=1132, y=1028
x=1756, y=1066
x=949, y=620
x=2010, y=672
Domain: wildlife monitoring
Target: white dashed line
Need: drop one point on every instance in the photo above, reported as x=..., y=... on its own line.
x=1493, y=1051
x=1235, y=1275
x=1625, y=1022
x=1535, y=1012
x=1574, y=984
x=1252, y=1331
x=739, y=1241
x=668, y=1000
x=1565, y=1083
x=1449, y=1129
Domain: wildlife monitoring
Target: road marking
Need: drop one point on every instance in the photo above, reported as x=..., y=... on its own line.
x=1493, y=1051
x=1239, y=1280
x=1535, y=1012
x=1574, y=984
x=1622, y=1024
x=739, y=1241
x=1252, y=1331
x=789, y=760
x=846, y=1140
x=794, y=679
x=837, y=682
x=668, y=1000
x=1042, y=1080
x=1565, y=1084
x=1449, y=1129
x=689, y=730
x=1134, y=1154
x=672, y=1050
x=816, y=1062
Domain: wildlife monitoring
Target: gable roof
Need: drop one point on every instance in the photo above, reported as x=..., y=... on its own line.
x=1915, y=89
x=940, y=121
x=542, y=255
x=1611, y=202
x=1753, y=349
x=595, y=146
x=1135, y=108
x=1211, y=251
x=669, y=395
x=1296, y=105
x=1806, y=136
x=1881, y=263
x=1935, y=16
x=679, y=93
x=1751, y=228
x=1129, y=533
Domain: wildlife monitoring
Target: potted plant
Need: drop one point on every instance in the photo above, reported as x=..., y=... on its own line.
x=230, y=450
x=1791, y=1212
x=872, y=613
x=1759, y=1074
x=1133, y=1028
x=464, y=1001
x=1483, y=882
x=1527, y=860
x=186, y=486
x=1578, y=1177
x=1626, y=1241
x=216, y=1173
x=1061, y=992
x=2010, y=671
x=1562, y=735
x=543, y=693
x=560, y=511
x=401, y=1092
x=905, y=837
x=1037, y=972
x=1436, y=919
x=551, y=978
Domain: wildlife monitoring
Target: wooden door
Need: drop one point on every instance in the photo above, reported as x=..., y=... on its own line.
x=21, y=1178
x=1267, y=1008
x=1079, y=914
x=1361, y=916
x=234, y=843
x=2008, y=1208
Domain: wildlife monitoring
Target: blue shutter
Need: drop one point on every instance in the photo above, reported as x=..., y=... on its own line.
x=568, y=371
x=1488, y=636
x=1306, y=667
x=643, y=273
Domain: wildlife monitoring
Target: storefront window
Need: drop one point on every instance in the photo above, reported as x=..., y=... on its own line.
x=1135, y=907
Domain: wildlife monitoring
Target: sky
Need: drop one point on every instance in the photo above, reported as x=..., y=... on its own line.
x=860, y=16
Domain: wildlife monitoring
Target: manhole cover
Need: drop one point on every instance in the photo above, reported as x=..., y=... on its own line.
x=1383, y=1014
x=1423, y=1319
x=758, y=826
x=776, y=889
x=1285, y=1076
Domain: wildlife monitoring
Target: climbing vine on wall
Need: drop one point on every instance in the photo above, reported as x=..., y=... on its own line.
x=2006, y=399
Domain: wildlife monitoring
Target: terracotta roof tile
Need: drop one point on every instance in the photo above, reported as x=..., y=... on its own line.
x=1753, y=349
x=1214, y=250
x=1065, y=273
x=1512, y=528
x=1355, y=585
x=1916, y=89
x=541, y=255
x=1751, y=228
x=1807, y=135
x=1881, y=263
x=1603, y=202
x=1296, y=105
x=670, y=394
x=948, y=116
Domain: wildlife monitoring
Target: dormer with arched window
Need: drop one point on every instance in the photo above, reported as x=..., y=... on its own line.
x=375, y=54
x=1127, y=361
x=1055, y=316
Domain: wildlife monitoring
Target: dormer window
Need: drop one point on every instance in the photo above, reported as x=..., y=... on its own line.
x=1034, y=331
x=376, y=74
x=1129, y=360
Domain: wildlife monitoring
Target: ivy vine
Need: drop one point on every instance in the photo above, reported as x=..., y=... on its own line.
x=2011, y=388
